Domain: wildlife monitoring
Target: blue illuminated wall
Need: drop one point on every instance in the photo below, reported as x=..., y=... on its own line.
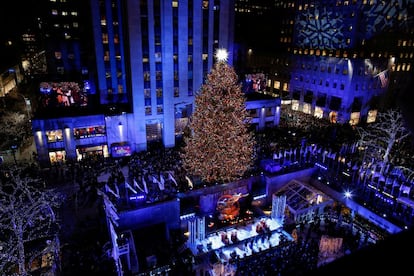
x=334, y=74
x=165, y=212
x=154, y=55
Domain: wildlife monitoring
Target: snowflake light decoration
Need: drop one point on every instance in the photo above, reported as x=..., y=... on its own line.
x=320, y=28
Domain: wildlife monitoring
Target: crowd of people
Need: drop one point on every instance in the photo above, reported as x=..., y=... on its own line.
x=157, y=173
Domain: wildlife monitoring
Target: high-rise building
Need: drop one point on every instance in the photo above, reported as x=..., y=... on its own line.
x=151, y=57
x=64, y=28
x=154, y=55
x=344, y=57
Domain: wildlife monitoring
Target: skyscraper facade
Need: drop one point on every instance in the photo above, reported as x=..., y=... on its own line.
x=337, y=69
x=154, y=55
x=150, y=58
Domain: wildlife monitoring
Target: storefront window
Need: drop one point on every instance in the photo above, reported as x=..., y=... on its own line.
x=92, y=152
x=295, y=105
x=318, y=112
x=354, y=118
x=307, y=108
x=87, y=132
x=57, y=156
x=372, y=116
x=54, y=136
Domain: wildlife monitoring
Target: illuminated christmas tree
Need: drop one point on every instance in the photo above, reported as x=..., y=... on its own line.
x=220, y=147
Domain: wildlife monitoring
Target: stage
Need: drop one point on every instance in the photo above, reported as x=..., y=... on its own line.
x=242, y=240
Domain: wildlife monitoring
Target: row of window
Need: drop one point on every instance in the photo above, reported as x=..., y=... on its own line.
x=323, y=68
x=148, y=110
x=344, y=54
x=79, y=133
x=67, y=26
x=405, y=43
x=375, y=84
x=64, y=13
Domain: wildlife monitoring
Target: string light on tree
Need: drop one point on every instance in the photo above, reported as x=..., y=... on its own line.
x=220, y=147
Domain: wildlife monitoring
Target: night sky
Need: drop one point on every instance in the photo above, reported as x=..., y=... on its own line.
x=16, y=16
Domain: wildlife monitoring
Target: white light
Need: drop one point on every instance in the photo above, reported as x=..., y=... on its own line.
x=222, y=55
x=348, y=194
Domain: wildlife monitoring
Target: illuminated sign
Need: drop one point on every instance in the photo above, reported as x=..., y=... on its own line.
x=121, y=150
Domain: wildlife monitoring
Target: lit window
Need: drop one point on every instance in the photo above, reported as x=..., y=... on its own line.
x=158, y=75
x=54, y=136
x=158, y=56
x=105, y=38
x=54, y=12
x=106, y=56
x=120, y=89
x=159, y=92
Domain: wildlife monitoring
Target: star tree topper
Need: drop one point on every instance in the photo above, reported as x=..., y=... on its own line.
x=221, y=55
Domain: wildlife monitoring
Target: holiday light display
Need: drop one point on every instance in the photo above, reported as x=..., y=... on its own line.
x=220, y=146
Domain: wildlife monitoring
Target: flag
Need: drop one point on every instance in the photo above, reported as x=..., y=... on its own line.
x=190, y=183
x=137, y=186
x=155, y=180
x=170, y=177
x=162, y=181
x=129, y=187
x=145, y=184
x=383, y=78
x=111, y=211
x=108, y=189
x=116, y=189
x=114, y=238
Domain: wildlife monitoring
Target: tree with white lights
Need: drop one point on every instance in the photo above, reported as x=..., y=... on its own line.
x=381, y=137
x=220, y=147
x=14, y=128
x=28, y=225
